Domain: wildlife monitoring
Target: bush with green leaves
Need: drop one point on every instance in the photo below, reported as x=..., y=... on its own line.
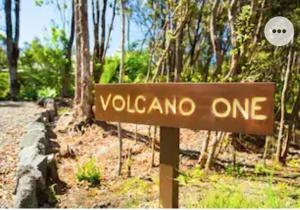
x=89, y=172
x=42, y=64
x=4, y=84
x=136, y=66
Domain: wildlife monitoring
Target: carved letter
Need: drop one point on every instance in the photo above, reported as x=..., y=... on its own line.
x=155, y=105
x=128, y=105
x=105, y=103
x=255, y=107
x=192, y=106
x=122, y=100
x=136, y=104
x=217, y=113
x=245, y=111
x=171, y=106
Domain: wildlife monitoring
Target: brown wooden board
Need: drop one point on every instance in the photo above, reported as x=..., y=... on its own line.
x=231, y=107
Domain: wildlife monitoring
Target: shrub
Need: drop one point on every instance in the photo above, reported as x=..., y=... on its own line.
x=47, y=93
x=232, y=170
x=4, y=85
x=89, y=172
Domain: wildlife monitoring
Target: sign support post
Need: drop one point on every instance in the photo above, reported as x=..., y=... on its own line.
x=168, y=168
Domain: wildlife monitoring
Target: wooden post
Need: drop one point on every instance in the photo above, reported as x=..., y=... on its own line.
x=168, y=168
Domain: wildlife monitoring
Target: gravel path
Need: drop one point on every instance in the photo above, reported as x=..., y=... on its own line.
x=14, y=116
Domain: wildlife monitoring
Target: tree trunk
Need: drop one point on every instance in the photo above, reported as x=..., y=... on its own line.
x=266, y=149
x=12, y=45
x=210, y=158
x=121, y=75
x=203, y=153
x=96, y=51
x=291, y=125
x=283, y=106
x=234, y=65
x=215, y=39
x=68, y=55
x=77, y=97
x=110, y=27
x=153, y=147
x=102, y=43
x=83, y=68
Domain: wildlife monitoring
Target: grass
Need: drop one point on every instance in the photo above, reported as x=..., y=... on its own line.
x=89, y=172
x=228, y=191
x=137, y=193
x=198, y=190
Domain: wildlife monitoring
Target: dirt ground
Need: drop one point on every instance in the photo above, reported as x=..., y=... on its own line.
x=14, y=116
x=141, y=189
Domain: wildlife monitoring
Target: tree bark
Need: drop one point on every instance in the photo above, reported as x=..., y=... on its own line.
x=102, y=42
x=215, y=39
x=210, y=158
x=96, y=51
x=77, y=97
x=121, y=75
x=68, y=55
x=234, y=66
x=283, y=108
x=292, y=121
x=12, y=45
x=83, y=68
x=203, y=153
x=110, y=27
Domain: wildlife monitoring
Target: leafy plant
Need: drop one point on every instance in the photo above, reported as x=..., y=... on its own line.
x=190, y=176
x=47, y=93
x=232, y=170
x=89, y=172
x=4, y=85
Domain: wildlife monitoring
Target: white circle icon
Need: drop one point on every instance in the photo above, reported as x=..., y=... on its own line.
x=279, y=31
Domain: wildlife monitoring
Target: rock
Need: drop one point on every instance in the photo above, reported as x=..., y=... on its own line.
x=52, y=168
x=64, y=122
x=34, y=138
x=51, y=108
x=31, y=157
x=31, y=188
x=26, y=193
x=36, y=126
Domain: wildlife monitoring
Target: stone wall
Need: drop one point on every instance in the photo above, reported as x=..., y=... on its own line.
x=34, y=158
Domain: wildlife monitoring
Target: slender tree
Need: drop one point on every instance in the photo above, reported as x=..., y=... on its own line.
x=121, y=75
x=283, y=107
x=12, y=44
x=68, y=55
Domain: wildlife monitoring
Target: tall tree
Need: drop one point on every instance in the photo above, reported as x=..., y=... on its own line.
x=68, y=55
x=121, y=75
x=84, y=99
x=12, y=44
x=99, y=48
x=283, y=107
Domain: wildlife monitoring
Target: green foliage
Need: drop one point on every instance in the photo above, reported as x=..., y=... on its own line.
x=4, y=84
x=42, y=65
x=3, y=59
x=226, y=196
x=232, y=170
x=191, y=176
x=134, y=190
x=136, y=65
x=233, y=193
x=47, y=93
x=89, y=172
x=111, y=69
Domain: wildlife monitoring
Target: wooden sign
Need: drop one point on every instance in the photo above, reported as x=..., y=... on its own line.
x=231, y=107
